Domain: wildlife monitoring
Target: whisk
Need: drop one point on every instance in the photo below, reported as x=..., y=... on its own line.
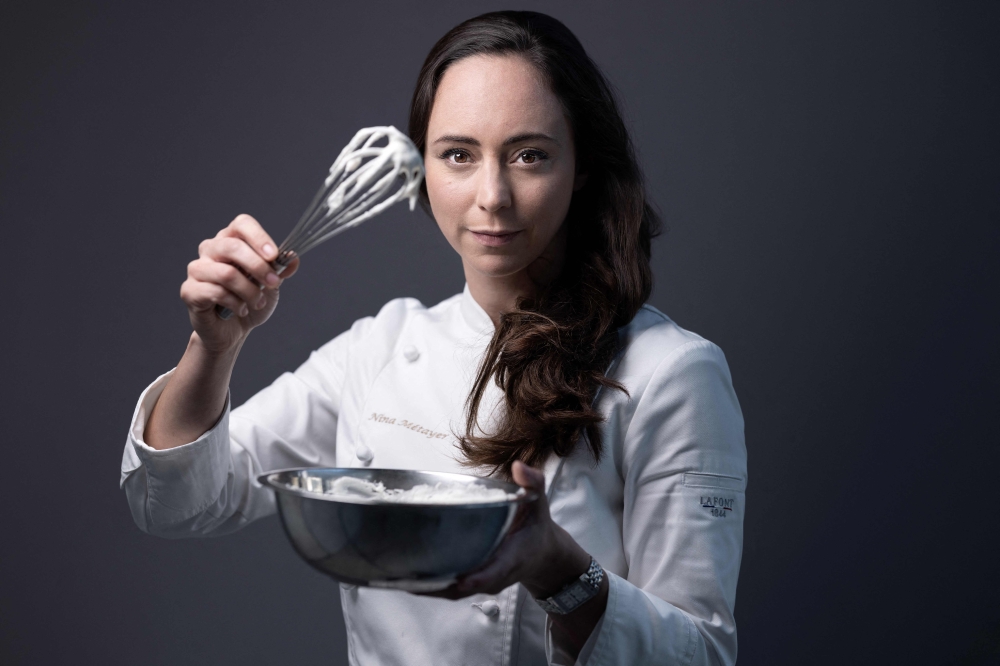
x=364, y=180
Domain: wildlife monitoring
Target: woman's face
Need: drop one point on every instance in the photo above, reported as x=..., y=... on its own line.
x=501, y=165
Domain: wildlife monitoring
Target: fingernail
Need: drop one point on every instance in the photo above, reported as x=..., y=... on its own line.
x=268, y=249
x=272, y=279
x=261, y=301
x=244, y=311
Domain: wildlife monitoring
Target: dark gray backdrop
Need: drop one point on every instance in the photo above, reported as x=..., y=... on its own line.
x=828, y=172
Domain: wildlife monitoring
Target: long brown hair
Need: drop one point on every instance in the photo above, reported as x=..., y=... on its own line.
x=549, y=355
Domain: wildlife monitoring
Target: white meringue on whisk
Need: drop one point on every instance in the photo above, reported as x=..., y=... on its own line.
x=377, y=169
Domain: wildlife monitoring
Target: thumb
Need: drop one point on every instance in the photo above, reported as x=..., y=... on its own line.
x=527, y=477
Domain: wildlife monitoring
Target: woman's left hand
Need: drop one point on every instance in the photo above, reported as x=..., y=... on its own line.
x=536, y=552
x=542, y=557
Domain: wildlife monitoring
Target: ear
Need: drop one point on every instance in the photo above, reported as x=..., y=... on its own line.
x=579, y=181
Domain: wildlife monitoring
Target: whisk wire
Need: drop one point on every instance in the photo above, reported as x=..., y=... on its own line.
x=361, y=184
x=303, y=222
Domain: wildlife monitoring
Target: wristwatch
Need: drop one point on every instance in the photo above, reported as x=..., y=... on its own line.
x=575, y=594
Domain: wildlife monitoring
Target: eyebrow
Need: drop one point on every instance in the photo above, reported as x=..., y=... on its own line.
x=517, y=138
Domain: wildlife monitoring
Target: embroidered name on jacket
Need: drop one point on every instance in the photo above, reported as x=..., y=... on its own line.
x=719, y=507
x=409, y=425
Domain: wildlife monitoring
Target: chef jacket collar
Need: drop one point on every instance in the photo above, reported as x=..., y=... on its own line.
x=473, y=313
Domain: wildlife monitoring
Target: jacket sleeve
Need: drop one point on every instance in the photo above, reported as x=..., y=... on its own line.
x=209, y=485
x=685, y=473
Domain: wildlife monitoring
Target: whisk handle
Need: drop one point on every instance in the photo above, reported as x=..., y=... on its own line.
x=279, y=265
x=224, y=313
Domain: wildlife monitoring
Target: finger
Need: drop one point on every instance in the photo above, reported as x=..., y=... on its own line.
x=249, y=229
x=236, y=251
x=204, y=296
x=228, y=276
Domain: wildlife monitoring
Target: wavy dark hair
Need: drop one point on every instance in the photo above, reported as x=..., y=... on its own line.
x=550, y=354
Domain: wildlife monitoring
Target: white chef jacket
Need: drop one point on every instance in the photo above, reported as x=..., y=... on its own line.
x=662, y=511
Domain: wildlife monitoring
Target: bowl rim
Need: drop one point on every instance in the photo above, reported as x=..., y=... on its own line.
x=264, y=479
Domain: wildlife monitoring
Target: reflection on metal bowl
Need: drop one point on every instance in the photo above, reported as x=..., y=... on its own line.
x=416, y=547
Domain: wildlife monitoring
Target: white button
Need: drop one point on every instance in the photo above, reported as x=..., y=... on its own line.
x=364, y=454
x=490, y=607
x=410, y=353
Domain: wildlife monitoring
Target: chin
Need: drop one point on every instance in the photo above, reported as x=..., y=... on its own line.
x=498, y=266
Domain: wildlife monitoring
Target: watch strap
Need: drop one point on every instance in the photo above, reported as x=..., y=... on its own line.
x=578, y=592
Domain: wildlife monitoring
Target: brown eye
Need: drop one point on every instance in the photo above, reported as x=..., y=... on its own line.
x=531, y=156
x=456, y=156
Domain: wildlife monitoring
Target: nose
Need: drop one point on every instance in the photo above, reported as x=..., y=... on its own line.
x=494, y=190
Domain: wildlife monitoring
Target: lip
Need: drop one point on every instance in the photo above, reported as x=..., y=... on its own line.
x=494, y=239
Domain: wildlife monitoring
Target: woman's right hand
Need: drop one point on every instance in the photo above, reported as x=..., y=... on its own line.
x=219, y=277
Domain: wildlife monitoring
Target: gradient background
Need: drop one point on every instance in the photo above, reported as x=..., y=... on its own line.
x=829, y=176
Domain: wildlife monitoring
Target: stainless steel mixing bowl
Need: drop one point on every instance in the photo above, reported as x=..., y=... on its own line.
x=417, y=547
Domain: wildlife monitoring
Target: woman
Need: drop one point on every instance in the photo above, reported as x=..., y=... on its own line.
x=548, y=366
